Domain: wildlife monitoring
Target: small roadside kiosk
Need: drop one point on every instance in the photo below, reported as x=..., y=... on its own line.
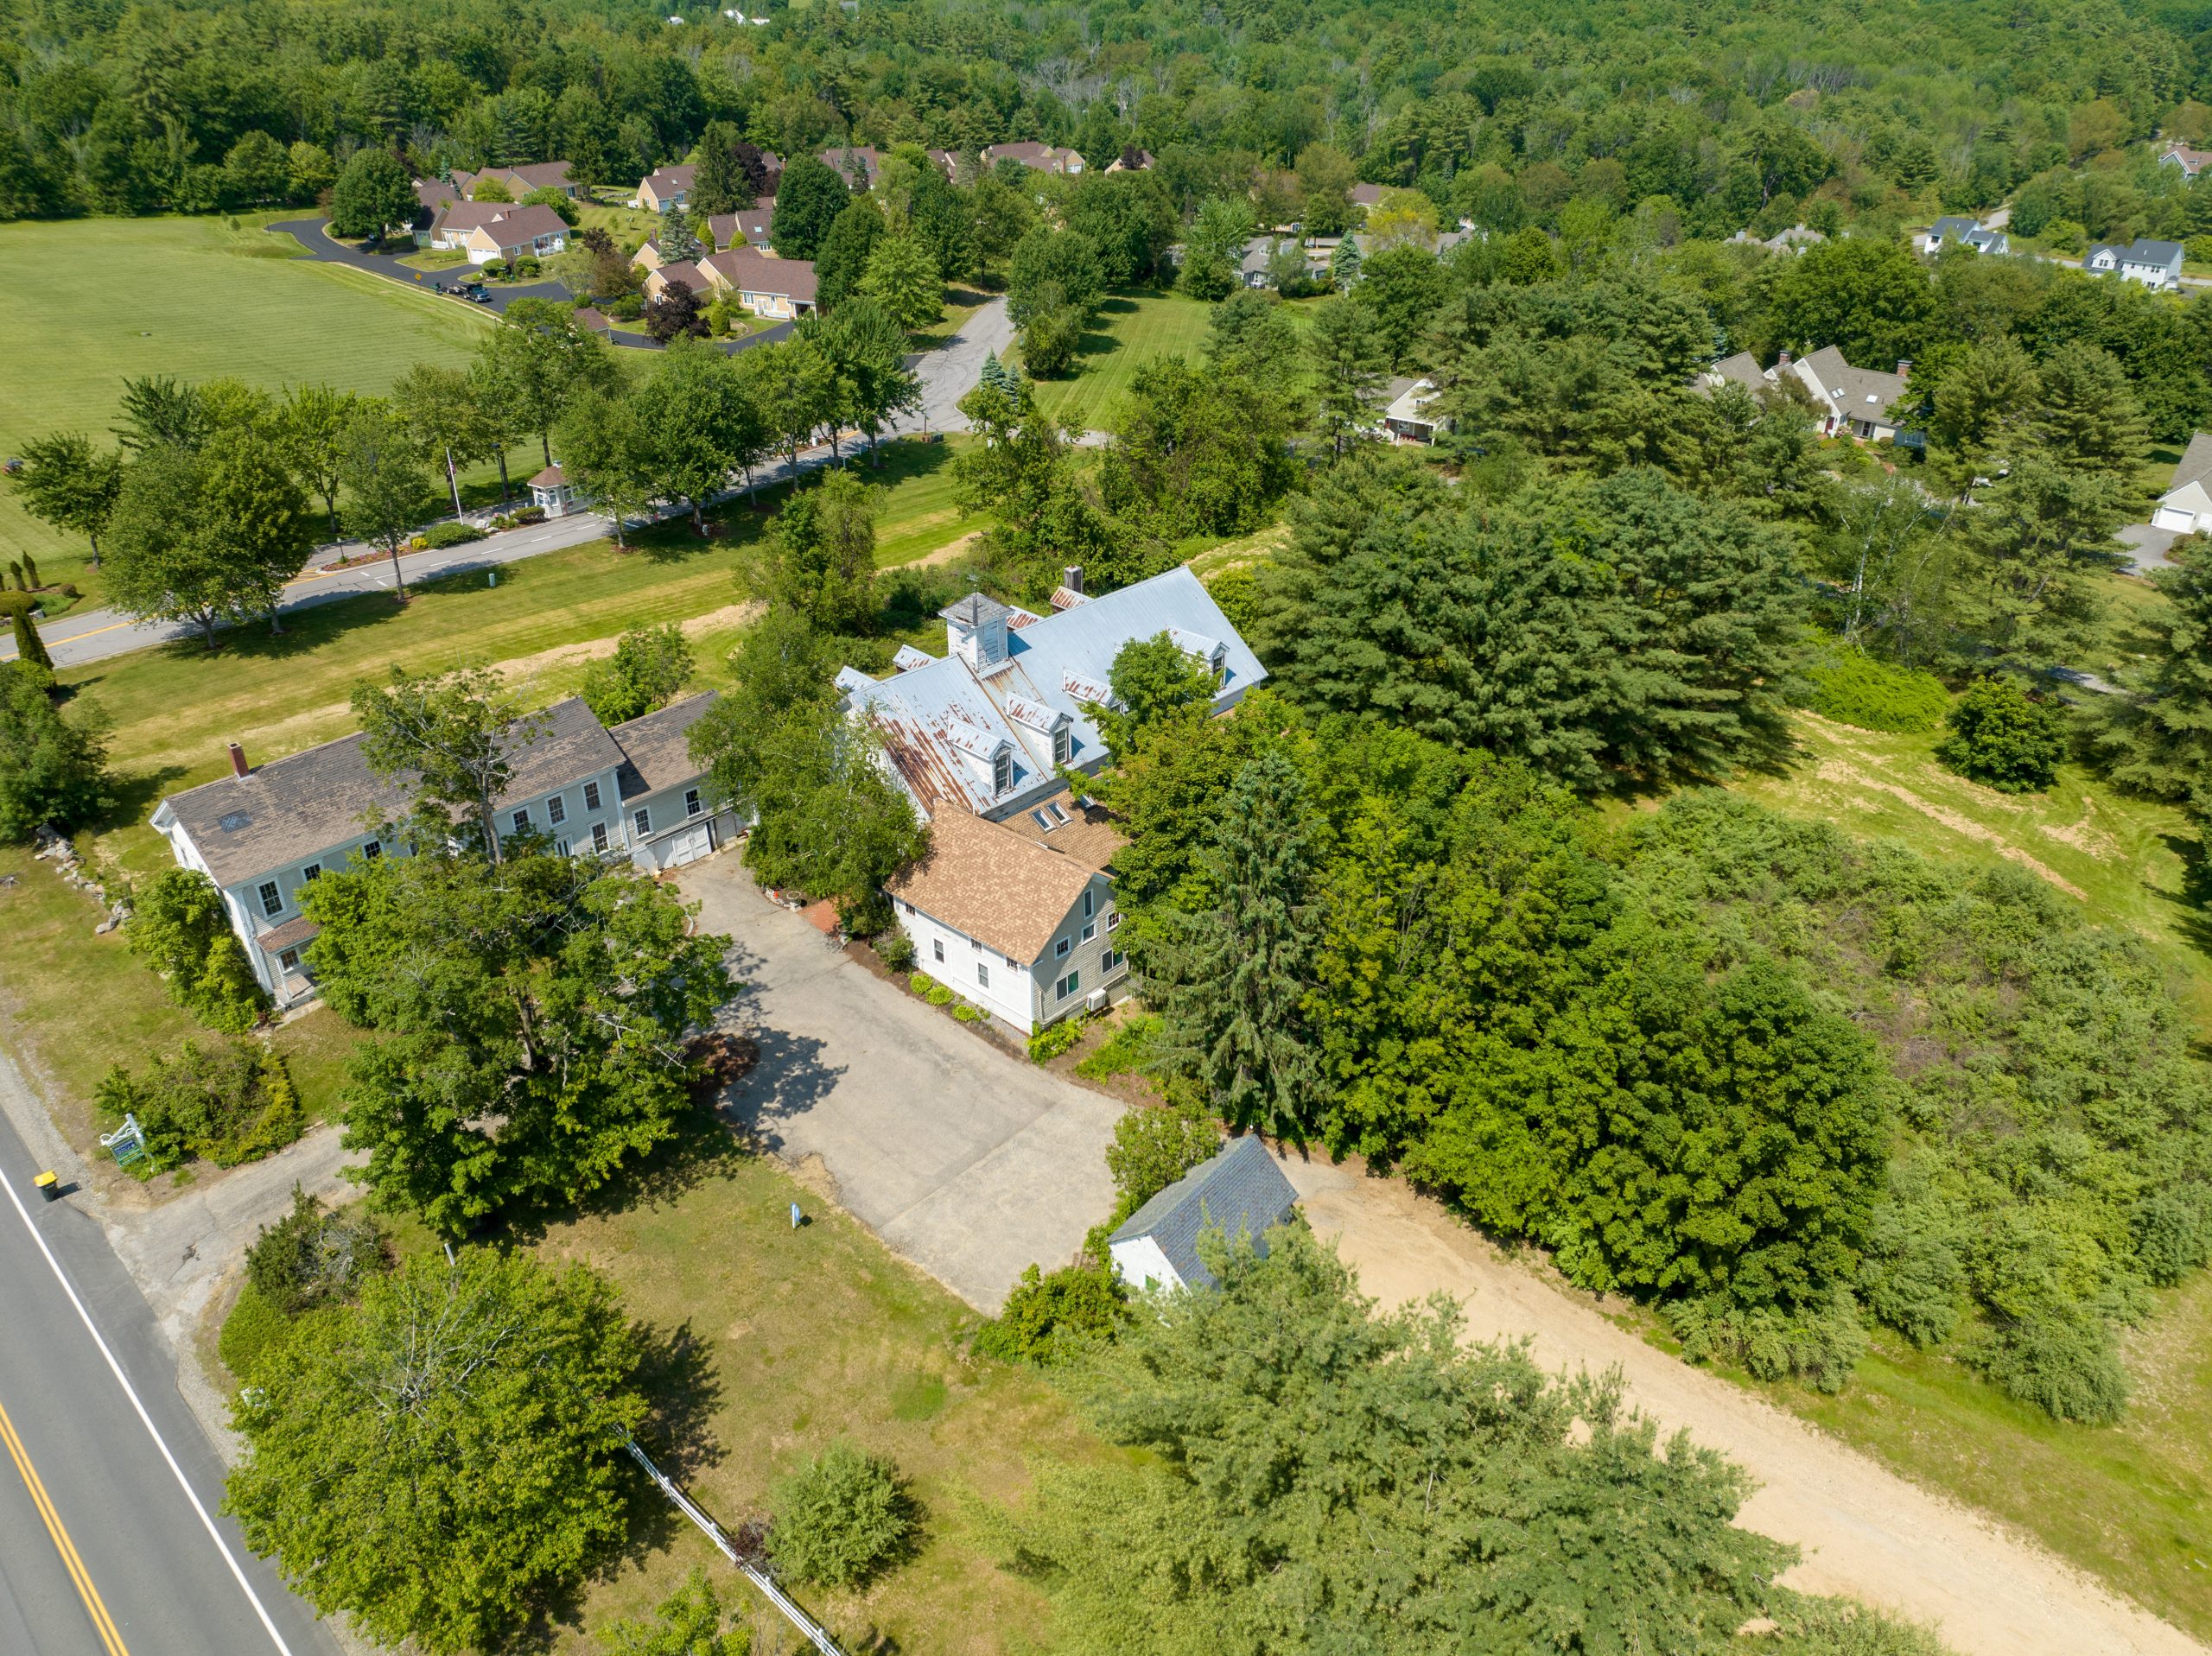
x=552, y=492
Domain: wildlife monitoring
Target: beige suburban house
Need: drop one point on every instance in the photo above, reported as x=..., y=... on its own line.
x=749, y=227
x=514, y=233
x=1851, y=401
x=2186, y=506
x=663, y=187
x=1037, y=157
x=265, y=834
x=519, y=181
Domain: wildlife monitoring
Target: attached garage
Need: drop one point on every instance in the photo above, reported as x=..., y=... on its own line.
x=690, y=844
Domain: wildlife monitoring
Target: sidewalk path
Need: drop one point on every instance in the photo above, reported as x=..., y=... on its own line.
x=1863, y=1531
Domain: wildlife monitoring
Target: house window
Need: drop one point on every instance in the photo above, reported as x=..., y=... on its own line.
x=1060, y=948
x=522, y=822
x=1067, y=986
x=599, y=836
x=1060, y=746
x=1002, y=772
x=692, y=806
x=937, y=945
x=311, y=872
x=290, y=960
x=982, y=974
x=591, y=795
x=272, y=900
x=1059, y=817
x=1114, y=921
x=644, y=822
x=560, y=848
x=1090, y=931
x=556, y=810
x=1110, y=959
x=371, y=851
x=1086, y=903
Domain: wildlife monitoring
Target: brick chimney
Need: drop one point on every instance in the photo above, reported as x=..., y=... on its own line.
x=238, y=767
x=1905, y=367
x=1072, y=577
x=1784, y=361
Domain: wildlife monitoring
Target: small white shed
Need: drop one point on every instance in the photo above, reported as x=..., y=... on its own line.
x=1241, y=1189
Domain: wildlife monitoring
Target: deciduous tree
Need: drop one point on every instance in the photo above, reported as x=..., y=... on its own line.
x=372, y=195
x=440, y=1461
x=70, y=485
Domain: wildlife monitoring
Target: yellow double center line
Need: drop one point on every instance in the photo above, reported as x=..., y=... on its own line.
x=103, y=1623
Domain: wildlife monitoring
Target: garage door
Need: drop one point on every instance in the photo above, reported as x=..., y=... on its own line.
x=689, y=845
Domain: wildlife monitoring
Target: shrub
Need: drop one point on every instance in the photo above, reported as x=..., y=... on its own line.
x=626, y=307
x=314, y=1256
x=920, y=982
x=1820, y=1347
x=1853, y=688
x=841, y=1518
x=1050, y=1319
x=896, y=950
x=2004, y=738
x=530, y=515
x=254, y=1329
x=229, y=1102
x=1831, y=1626
x=2064, y=1365
x=939, y=995
x=648, y=669
x=2172, y=1237
x=178, y=925
x=1154, y=1148
x=453, y=533
x=1128, y=1048
x=1047, y=1043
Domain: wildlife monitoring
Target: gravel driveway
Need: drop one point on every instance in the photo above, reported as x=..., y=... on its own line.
x=967, y=1160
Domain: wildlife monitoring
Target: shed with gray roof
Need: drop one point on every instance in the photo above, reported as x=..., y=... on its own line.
x=1241, y=1189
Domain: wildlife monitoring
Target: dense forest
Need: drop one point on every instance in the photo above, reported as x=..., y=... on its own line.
x=1736, y=115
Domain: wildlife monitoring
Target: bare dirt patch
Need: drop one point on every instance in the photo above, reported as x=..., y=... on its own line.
x=574, y=655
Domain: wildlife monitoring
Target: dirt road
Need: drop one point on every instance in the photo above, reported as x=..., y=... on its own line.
x=1863, y=1531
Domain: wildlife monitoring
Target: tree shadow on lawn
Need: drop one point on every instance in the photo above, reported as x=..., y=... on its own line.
x=2193, y=923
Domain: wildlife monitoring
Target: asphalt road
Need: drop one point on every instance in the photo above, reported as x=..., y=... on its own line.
x=103, y=1550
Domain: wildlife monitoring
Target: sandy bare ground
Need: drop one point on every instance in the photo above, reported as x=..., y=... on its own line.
x=1864, y=1531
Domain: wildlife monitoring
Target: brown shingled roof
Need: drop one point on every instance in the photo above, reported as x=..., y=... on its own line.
x=989, y=883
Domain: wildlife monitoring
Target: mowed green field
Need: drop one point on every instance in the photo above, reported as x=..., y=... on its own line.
x=1133, y=329
x=92, y=302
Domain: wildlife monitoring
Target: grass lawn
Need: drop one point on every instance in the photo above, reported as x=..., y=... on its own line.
x=1133, y=329
x=192, y=298
x=795, y=1339
x=72, y=1004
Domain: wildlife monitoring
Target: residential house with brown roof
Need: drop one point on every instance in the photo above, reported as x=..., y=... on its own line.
x=1132, y=160
x=765, y=285
x=519, y=181
x=264, y=833
x=662, y=186
x=1853, y=400
x=982, y=735
x=1037, y=157
x=857, y=164
x=749, y=227
x=514, y=233
x=2190, y=162
x=687, y=271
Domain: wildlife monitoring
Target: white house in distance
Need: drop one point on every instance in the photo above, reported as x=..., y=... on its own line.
x=1953, y=231
x=2191, y=161
x=2186, y=506
x=1406, y=418
x=2156, y=264
x=264, y=833
x=982, y=733
x=1241, y=1189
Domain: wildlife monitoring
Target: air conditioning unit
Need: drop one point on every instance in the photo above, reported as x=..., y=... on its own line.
x=1095, y=1001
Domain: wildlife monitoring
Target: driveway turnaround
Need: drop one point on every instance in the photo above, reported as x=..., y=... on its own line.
x=965, y=1159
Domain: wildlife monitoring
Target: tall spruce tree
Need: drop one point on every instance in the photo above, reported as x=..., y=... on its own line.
x=2160, y=739
x=1231, y=983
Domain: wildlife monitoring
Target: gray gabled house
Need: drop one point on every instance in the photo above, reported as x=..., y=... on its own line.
x=2156, y=264
x=1241, y=1189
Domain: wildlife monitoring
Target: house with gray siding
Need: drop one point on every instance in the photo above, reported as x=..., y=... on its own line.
x=264, y=833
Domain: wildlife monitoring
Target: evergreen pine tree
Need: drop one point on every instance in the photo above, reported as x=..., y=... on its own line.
x=675, y=240
x=1344, y=265
x=2160, y=740
x=2087, y=415
x=993, y=374
x=1231, y=983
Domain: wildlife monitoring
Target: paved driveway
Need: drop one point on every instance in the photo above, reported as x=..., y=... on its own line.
x=969, y=1161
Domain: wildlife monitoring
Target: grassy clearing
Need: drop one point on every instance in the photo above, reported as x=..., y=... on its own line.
x=1133, y=329
x=794, y=1339
x=73, y=1003
x=193, y=298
